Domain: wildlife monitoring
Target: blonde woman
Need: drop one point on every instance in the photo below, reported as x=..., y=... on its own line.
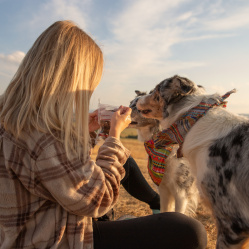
x=50, y=188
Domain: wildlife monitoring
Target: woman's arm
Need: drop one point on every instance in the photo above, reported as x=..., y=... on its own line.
x=88, y=189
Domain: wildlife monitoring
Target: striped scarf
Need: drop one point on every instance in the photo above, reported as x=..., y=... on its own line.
x=161, y=145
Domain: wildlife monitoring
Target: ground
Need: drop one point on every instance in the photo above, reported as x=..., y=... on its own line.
x=131, y=206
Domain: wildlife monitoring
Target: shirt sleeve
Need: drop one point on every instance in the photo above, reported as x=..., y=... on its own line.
x=85, y=189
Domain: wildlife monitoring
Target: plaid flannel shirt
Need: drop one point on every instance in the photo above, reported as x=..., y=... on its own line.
x=48, y=200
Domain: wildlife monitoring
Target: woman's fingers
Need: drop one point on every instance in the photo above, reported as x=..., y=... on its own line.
x=93, y=121
x=120, y=120
x=93, y=114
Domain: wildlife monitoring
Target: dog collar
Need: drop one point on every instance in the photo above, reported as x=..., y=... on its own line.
x=176, y=133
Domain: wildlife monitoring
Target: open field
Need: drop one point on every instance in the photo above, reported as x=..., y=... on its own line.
x=129, y=205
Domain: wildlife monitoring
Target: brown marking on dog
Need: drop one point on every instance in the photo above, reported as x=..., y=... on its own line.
x=167, y=92
x=137, y=120
x=151, y=105
x=245, y=244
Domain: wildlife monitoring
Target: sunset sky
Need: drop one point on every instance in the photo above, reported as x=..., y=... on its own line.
x=143, y=41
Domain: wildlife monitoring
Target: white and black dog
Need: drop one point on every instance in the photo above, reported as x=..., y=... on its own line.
x=217, y=147
x=177, y=190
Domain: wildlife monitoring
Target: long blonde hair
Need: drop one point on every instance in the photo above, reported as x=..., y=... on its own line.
x=51, y=89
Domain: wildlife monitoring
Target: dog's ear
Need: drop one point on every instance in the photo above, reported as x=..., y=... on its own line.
x=151, y=91
x=182, y=85
x=173, y=89
x=134, y=101
x=139, y=93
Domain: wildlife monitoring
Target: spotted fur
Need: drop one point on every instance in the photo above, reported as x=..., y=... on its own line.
x=217, y=147
x=178, y=191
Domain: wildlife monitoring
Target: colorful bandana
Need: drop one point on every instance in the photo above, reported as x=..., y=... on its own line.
x=161, y=145
x=156, y=160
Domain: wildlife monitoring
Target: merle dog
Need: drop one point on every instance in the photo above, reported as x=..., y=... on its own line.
x=217, y=147
x=177, y=190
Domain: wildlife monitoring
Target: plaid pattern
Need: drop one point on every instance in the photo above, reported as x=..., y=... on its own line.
x=48, y=200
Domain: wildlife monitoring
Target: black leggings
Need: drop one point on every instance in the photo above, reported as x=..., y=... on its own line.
x=137, y=186
x=160, y=231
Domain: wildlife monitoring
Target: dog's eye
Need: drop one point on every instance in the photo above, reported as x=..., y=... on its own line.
x=157, y=98
x=146, y=111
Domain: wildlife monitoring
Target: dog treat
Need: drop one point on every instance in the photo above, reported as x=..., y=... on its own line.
x=105, y=113
x=105, y=128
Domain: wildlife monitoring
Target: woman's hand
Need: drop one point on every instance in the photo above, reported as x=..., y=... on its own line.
x=93, y=121
x=120, y=120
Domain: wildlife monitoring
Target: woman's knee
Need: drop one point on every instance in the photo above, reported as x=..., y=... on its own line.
x=199, y=233
x=190, y=231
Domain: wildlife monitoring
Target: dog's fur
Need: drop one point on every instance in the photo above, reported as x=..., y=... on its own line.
x=217, y=147
x=178, y=191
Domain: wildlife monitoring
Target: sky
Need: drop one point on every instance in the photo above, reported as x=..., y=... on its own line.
x=143, y=41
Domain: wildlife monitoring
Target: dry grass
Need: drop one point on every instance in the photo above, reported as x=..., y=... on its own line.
x=129, y=205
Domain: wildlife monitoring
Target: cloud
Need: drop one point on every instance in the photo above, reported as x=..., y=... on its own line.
x=140, y=38
x=142, y=34
x=15, y=57
x=139, y=51
x=218, y=15
x=55, y=10
x=8, y=66
x=233, y=20
x=145, y=31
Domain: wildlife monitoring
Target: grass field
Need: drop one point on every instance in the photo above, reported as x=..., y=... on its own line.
x=129, y=205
